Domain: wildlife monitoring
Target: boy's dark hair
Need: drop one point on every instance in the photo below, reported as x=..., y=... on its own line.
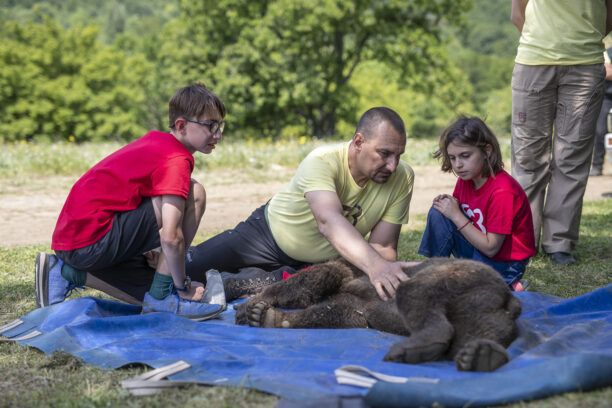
x=192, y=102
x=374, y=116
x=472, y=132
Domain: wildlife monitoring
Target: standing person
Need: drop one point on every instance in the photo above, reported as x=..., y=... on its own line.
x=487, y=218
x=135, y=200
x=599, y=146
x=557, y=89
x=339, y=195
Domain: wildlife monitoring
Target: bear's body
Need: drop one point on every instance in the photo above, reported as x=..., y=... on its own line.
x=455, y=309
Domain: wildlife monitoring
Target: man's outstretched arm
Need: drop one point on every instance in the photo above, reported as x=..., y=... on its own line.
x=327, y=210
x=384, y=238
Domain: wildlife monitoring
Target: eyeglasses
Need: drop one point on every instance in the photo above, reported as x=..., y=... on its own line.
x=213, y=126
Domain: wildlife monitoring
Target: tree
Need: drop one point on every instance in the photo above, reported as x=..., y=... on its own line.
x=289, y=62
x=58, y=83
x=485, y=51
x=425, y=114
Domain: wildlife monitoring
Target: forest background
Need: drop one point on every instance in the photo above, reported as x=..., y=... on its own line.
x=103, y=70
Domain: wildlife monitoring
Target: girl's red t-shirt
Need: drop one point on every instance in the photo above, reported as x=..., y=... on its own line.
x=500, y=206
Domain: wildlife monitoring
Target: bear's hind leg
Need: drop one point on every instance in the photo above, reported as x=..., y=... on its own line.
x=481, y=355
x=483, y=330
x=428, y=344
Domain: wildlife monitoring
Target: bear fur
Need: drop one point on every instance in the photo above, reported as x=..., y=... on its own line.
x=448, y=309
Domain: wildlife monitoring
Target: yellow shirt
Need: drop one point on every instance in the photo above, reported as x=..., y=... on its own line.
x=563, y=32
x=326, y=169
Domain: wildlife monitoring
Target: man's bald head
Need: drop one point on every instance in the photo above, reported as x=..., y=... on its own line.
x=372, y=118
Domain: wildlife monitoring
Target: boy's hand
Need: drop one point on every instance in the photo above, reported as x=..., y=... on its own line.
x=195, y=293
x=152, y=257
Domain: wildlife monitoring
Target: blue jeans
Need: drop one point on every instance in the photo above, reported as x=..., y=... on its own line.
x=442, y=239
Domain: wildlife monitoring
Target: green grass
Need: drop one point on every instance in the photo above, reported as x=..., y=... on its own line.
x=69, y=159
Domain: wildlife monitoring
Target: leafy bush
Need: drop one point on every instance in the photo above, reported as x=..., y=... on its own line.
x=63, y=84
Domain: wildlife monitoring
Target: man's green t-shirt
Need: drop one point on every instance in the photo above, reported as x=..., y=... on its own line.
x=563, y=32
x=326, y=169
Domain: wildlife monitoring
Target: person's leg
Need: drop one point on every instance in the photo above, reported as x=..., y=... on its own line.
x=601, y=128
x=115, y=264
x=124, y=268
x=442, y=239
x=534, y=103
x=194, y=210
x=128, y=281
x=195, y=205
x=113, y=291
x=250, y=243
x=580, y=95
x=251, y=280
x=511, y=271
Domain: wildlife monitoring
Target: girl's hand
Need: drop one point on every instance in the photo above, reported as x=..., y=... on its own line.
x=448, y=206
x=442, y=196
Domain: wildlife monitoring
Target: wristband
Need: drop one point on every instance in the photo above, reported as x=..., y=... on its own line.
x=464, y=225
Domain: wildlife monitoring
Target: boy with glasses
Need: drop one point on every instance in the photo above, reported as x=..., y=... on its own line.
x=138, y=202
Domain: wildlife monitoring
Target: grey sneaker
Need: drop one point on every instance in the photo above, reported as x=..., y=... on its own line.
x=51, y=287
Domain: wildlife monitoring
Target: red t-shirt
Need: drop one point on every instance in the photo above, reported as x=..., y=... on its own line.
x=154, y=165
x=500, y=206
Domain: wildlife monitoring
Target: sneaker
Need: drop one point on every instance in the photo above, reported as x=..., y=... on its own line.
x=173, y=303
x=562, y=258
x=250, y=281
x=51, y=287
x=520, y=286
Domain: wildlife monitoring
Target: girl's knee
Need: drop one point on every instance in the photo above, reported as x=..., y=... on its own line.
x=435, y=217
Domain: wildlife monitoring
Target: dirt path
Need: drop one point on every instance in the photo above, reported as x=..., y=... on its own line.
x=30, y=209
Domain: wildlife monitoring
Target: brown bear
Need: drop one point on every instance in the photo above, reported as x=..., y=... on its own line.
x=447, y=309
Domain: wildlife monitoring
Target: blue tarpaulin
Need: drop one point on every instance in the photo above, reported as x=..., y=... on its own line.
x=564, y=345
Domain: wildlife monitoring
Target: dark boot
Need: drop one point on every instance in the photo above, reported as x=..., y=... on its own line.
x=249, y=281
